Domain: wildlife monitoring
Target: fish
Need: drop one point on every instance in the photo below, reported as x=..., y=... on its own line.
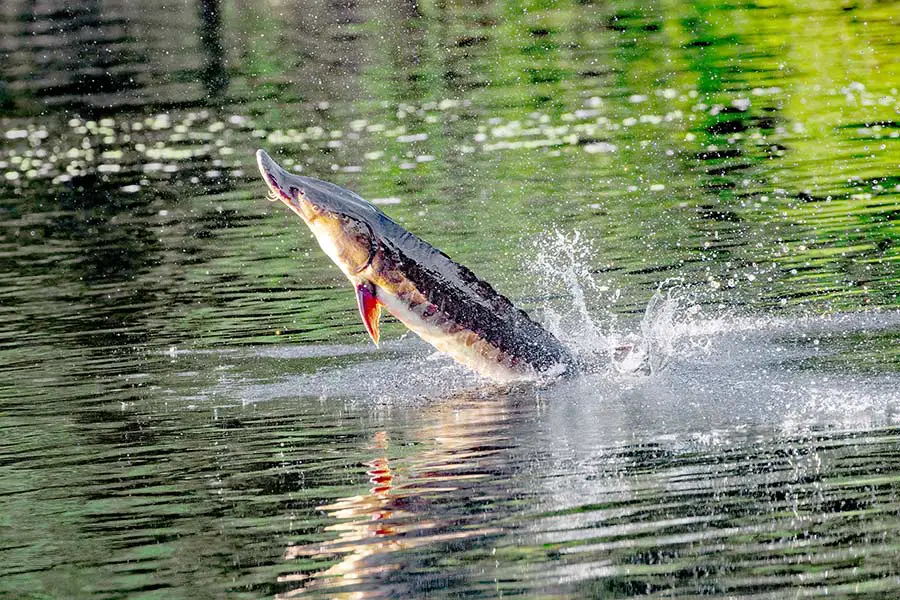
x=438, y=299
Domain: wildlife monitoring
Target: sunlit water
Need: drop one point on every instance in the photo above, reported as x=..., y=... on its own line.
x=699, y=199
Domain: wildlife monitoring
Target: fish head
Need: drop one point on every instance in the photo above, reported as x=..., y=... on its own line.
x=344, y=224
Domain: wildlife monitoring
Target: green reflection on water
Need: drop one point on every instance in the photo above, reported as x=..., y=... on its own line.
x=749, y=151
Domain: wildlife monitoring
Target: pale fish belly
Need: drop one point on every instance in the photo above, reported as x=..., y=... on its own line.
x=464, y=345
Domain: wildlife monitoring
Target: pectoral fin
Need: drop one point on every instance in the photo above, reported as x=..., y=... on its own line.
x=369, y=308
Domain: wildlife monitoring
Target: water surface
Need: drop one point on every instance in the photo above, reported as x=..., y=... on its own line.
x=191, y=408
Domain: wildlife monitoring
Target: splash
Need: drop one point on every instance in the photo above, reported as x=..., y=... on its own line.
x=577, y=310
x=582, y=310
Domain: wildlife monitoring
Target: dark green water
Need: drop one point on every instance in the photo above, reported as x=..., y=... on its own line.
x=190, y=407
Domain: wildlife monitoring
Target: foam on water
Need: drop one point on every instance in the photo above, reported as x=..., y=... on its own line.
x=401, y=372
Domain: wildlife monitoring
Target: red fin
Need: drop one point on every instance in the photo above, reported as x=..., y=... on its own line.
x=369, y=309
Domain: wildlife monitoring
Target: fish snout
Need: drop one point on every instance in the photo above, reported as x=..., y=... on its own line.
x=287, y=187
x=312, y=198
x=275, y=177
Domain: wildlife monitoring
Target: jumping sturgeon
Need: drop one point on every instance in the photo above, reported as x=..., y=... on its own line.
x=443, y=302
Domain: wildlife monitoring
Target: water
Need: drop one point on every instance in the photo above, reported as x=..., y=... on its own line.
x=191, y=408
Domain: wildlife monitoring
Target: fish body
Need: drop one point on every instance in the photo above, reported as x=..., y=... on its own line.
x=438, y=299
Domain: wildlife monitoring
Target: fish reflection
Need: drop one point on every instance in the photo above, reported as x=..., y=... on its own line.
x=418, y=501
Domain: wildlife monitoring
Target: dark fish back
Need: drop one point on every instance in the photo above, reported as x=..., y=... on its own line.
x=475, y=304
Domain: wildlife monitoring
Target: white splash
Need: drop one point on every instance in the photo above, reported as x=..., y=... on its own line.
x=562, y=266
x=581, y=311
